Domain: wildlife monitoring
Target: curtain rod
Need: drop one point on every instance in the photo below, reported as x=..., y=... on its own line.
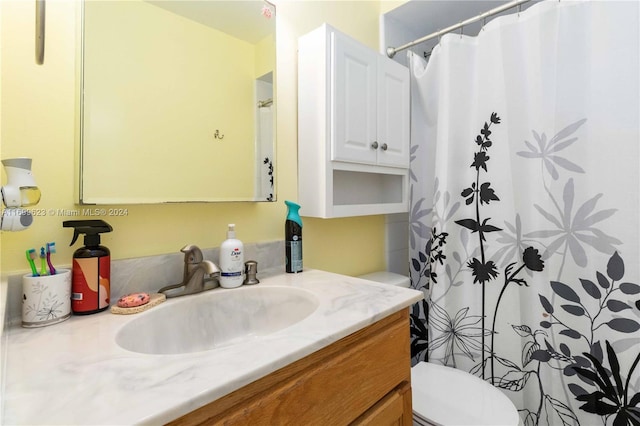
x=391, y=51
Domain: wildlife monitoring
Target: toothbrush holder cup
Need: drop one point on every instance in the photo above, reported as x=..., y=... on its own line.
x=46, y=299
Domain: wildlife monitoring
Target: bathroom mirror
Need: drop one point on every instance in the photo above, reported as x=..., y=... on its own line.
x=177, y=101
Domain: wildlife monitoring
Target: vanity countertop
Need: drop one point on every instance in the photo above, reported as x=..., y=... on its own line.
x=74, y=373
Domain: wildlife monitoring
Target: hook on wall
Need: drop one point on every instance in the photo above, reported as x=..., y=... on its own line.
x=217, y=135
x=40, y=19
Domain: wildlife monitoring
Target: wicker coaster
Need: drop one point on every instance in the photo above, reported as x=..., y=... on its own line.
x=154, y=299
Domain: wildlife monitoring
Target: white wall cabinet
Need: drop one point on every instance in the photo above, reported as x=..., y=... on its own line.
x=353, y=128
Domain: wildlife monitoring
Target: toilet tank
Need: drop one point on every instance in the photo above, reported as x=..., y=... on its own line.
x=390, y=278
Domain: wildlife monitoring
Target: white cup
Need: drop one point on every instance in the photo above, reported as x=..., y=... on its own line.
x=46, y=299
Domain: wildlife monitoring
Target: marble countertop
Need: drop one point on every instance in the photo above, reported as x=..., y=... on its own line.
x=74, y=373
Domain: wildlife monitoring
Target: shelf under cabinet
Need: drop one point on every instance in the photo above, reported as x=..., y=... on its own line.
x=362, y=188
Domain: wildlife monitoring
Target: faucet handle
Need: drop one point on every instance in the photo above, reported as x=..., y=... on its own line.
x=192, y=254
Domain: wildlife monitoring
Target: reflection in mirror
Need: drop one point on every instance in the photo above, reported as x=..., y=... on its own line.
x=177, y=101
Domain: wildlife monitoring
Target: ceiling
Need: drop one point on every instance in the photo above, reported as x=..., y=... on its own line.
x=241, y=19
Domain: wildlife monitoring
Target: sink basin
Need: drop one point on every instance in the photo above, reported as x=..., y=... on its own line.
x=216, y=318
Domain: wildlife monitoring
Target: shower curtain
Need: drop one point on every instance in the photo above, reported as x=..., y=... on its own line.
x=525, y=209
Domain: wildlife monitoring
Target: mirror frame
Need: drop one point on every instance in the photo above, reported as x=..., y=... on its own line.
x=84, y=199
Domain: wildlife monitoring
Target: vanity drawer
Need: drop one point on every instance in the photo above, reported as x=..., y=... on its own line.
x=333, y=386
x=390, y=410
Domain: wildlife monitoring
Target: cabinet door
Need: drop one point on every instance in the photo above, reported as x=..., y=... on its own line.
x=393, y=113
x=353, y=91
x=392, y=410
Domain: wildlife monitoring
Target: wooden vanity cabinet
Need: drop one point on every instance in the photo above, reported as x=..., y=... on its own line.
x=362, y=379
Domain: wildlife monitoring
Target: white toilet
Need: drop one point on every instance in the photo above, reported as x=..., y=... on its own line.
x=444, y=396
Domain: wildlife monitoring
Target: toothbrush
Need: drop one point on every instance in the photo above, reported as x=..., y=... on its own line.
x=51, y=248
x=43, y=263
x=31, y=256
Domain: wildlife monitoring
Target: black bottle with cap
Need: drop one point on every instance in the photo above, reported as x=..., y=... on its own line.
x=293, y=239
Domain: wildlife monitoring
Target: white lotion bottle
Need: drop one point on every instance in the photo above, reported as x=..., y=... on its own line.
x=231, y=260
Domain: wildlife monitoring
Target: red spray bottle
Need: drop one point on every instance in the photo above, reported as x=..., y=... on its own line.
x=91, y=274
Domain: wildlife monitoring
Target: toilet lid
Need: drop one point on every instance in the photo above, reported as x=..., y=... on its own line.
x=447, y=396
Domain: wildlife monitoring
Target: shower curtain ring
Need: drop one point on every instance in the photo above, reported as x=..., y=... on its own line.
x=461, y=28
x=484, y=22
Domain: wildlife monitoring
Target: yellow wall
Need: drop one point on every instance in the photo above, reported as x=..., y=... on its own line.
x=38, y=121
x=264, y=57
x=388, y=5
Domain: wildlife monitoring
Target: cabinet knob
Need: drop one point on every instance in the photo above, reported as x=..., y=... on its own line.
x=384, y=147
x=374, y=145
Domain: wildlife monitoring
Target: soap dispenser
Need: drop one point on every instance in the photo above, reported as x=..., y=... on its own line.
x=231, y=260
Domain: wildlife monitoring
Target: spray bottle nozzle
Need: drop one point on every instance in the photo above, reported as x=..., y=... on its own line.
x=91, y=228
x=292, y=212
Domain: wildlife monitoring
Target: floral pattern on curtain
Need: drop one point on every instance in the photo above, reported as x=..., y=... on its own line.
x=524, y=210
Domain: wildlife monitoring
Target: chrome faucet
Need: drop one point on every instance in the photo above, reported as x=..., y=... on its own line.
x=197, y=271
